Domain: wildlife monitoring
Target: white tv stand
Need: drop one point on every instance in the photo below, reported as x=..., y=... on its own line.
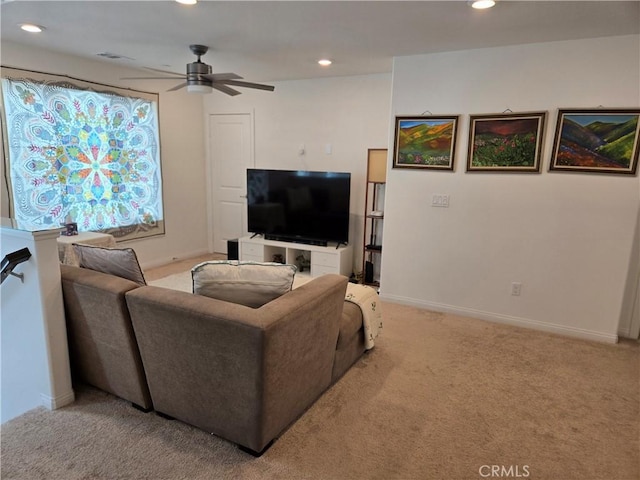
x=322, y=259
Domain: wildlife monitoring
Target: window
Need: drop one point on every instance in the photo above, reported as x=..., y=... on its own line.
x=84, y=156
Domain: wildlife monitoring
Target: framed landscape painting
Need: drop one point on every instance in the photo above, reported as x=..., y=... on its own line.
x=506, y=142
x=599, y=141
x=425, y=142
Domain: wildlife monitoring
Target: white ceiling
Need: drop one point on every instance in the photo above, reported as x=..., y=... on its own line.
x=282, y=40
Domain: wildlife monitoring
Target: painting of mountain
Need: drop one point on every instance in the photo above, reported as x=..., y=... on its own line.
x=510, y=142
x=425, y=142
x=598, y=141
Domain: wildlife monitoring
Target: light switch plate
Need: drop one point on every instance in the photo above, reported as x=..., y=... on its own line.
x=440, y=200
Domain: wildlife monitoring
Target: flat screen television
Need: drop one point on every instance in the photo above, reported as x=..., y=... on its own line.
x=299, y=206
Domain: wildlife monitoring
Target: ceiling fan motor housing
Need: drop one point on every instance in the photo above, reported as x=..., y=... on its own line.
x=195, y=71
x=200, y=77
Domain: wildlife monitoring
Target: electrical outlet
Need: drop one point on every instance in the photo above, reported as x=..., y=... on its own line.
x=516, y=287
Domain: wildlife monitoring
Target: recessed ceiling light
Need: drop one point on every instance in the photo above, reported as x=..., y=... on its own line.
x=187, y=2
x=482, y=4
x=31, y=28
x=325, y=62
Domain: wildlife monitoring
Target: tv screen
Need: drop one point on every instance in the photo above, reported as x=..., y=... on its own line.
x=299, y=206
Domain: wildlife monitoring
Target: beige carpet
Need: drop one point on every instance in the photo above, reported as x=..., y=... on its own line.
x=177, y=281
x=437, y=398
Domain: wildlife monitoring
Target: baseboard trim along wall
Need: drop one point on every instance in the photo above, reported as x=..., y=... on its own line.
x=60, y=401
x=505, y=319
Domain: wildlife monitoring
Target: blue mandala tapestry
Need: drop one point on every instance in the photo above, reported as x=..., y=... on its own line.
x=83, y=156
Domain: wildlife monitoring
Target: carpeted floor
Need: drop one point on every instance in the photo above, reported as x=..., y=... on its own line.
x=439, y=397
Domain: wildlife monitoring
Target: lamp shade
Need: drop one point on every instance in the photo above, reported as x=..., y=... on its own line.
x=377, y=165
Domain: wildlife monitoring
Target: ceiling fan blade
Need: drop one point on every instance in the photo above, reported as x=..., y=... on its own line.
x=177, y=87
x=225, y=89
x=161, y=71
x=216, y=77
x=239, y=83
x=153, y=78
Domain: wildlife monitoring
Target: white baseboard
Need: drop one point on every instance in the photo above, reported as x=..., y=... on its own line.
x=60, y=401
x=160, y=262
x=624, y=332
x=504, y=319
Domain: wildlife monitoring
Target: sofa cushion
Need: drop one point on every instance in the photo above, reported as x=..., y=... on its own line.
x=121, y=262
x=248, y=283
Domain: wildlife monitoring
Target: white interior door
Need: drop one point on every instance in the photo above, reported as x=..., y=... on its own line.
x=231, y=153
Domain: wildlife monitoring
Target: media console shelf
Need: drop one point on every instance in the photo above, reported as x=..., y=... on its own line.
x=313, y=260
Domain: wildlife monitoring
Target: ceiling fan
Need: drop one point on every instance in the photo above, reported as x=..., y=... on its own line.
x=200, y=79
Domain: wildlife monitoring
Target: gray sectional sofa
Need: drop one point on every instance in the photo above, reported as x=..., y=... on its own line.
x=244, y=374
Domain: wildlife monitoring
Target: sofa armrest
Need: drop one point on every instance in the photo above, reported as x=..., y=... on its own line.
x=241, y=373
x=300, y=349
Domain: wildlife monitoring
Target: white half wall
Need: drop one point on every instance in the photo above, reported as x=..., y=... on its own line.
x=566, y=237
x=35, y=359
x=342, y=115
x=182, y=149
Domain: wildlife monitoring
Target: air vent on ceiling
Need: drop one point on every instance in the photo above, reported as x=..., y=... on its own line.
x=113, y=56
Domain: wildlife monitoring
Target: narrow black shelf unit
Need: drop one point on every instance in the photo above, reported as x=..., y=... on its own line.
x=374, y=216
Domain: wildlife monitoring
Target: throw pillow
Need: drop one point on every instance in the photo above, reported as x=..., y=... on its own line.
x=114, y=261
x=248, y=283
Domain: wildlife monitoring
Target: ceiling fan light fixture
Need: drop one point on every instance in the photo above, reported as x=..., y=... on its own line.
x=31, y=28
x=199, y=89
x=482, y=4
x=325, y=62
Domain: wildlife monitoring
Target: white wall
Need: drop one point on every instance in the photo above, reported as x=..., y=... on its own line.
x=182, y=149
x=567, y=237
x=349, y=113
x=630, y=316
